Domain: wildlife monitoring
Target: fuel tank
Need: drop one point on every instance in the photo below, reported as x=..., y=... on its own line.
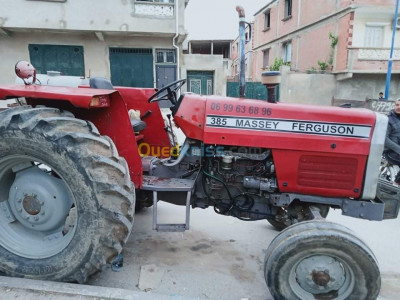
x=317, y=150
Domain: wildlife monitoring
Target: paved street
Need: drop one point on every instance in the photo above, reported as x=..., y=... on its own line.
x=222, y=257
x=219, y=258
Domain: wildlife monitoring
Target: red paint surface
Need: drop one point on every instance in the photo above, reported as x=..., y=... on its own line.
x=154, y=135
x=78, y=97
x=112, y=121
x=305, y=163
x=288, y=148
x=190, y=116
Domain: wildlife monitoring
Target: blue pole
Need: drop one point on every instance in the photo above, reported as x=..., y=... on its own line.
x=242, y=54
x=389, y=72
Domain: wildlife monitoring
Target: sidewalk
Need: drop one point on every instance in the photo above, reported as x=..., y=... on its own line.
x=27, y=289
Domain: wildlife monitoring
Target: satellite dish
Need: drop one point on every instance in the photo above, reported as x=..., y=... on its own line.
x=25, y=71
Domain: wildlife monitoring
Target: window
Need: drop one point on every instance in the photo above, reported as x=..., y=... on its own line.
x=209, y=87
x=221, y=48
x=287, y=52
x=373, y=36
x=267, y=19
x=62, y=58
x=288, y=8
x=266, y=58
x=165, y=56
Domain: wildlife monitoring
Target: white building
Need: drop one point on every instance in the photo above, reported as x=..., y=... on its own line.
x=133, y=43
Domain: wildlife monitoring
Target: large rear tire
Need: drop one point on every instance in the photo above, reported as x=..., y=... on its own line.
x=320, y=260
x=66, y=196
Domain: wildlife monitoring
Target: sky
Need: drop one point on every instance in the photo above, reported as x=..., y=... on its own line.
x=218, y=19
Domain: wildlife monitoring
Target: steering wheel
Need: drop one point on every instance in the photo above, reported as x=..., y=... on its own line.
x=168, y=92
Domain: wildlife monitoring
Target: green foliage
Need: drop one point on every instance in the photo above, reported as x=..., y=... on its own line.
x=323, y=65
x=334, y=40
x=311, y=70
x=278, y=62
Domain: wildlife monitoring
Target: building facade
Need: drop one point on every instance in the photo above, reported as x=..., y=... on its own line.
x=134, y=43
x=349, y=39
x=206, y=65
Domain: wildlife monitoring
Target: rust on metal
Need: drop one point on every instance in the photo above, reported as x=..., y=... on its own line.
x=240, y=11
x=320, y=278
x=31, y=204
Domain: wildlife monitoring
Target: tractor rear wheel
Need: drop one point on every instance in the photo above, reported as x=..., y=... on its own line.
x=66, y=199
x=295, y=213
x=320, y=260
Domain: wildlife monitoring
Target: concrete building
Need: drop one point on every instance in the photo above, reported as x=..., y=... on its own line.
x=206, y=65
x=133, y=43
x=349, y=39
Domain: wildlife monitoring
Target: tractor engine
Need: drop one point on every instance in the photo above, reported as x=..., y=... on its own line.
x=237, y=181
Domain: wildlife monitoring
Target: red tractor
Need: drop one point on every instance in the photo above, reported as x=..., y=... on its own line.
x=72, y=158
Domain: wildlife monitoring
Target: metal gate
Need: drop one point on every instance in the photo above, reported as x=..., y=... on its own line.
x=200, y=82
x=165, y=75
x=254, y=90
x=132, y=67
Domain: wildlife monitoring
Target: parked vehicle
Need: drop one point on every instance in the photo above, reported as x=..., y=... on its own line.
x=72, y=158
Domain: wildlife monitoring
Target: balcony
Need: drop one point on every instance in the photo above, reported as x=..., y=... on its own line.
x=372, y=60
x=377, y=54
x=154, y=9
x=134, y=17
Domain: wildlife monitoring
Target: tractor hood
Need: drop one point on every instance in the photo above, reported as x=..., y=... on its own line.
x=256, y=123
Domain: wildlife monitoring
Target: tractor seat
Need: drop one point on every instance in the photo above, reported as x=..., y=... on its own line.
x=100, y=83
x=138, y=125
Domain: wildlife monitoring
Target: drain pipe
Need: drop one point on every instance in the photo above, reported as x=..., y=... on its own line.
x=176, y=35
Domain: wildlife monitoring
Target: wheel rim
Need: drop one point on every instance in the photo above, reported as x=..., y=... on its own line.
x=321, y=275
x=38, y=217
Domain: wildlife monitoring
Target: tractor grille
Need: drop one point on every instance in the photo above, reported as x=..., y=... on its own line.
x=327, y=172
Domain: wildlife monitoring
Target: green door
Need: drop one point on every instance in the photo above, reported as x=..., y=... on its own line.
x=132, y=67
x=200, y=82
x=65, y=59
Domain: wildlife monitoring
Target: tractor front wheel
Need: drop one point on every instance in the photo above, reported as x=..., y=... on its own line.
x=320, y=260
x=66, y=199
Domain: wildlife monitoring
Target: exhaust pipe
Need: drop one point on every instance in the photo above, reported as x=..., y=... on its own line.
x=242, y=50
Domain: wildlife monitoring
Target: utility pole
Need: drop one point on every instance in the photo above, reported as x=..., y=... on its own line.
x=389, y=72
x=242, y=50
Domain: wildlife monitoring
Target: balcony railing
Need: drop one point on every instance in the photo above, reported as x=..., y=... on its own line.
x=155, y=9
x=371, y=60
x=377, y=54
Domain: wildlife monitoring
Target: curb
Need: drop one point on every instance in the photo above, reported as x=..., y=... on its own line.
x=71, y=289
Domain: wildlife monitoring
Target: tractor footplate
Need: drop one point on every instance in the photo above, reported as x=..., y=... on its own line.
x=163, y=184
x=158, y=184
